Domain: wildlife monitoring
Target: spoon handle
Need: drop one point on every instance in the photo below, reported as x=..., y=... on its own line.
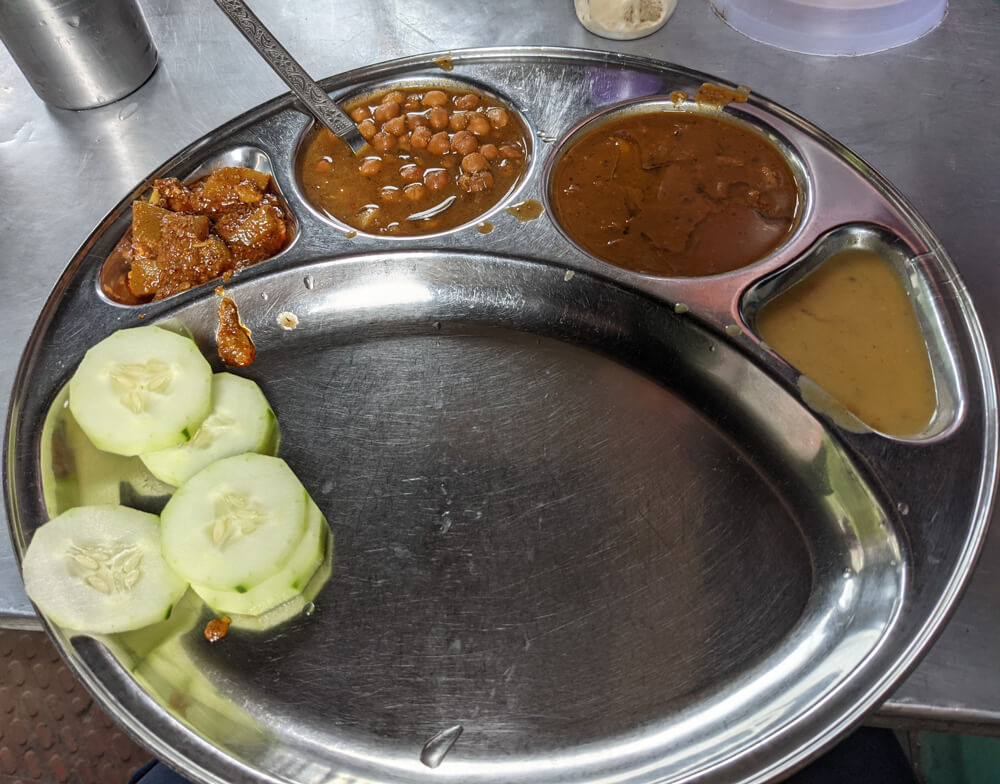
x=317, y=101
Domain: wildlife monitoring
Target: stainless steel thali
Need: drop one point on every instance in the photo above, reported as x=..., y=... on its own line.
x=600, y=534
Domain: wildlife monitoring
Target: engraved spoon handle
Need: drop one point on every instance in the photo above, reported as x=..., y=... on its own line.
x=317, y=101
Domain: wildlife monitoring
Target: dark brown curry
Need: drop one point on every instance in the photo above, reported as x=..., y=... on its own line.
x=675, y=193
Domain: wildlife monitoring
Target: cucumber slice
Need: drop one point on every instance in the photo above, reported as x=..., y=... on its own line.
x=241, y=421
x=98, y=569
x=140, y=390
x=297, y=605
x=235, y=523
x=286, y=584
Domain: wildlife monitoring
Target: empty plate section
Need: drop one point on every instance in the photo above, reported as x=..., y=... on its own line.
x=854, y=316
x=226, y=215
x=566, y=519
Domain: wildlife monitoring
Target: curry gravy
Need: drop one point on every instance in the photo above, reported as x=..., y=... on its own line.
x=436, y=159
x=850, y=327
x=675, y=193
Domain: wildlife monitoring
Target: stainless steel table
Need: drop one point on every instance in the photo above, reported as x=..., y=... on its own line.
x=925, y=115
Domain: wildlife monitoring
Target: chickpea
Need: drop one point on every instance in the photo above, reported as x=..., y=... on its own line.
x=390, y=194
x=498, y=117
x=367, y=129
x=474, y=162
x=476, y=182
x=411, y=104
x=511, y=151
x=478, y=124
x=368, y=216
x=404, y=143
x=420, y=137
x=467, y=101
x=324, y=165
x=458, y=121
x=438, y=118
x=439, y=143
x=436, y=179
x=386, y=111
x=450, y=160
x=370, y=167
x=359, y=114
x=411, y=173
x=396, y=96
x=435, y=98
x=396, y=126
x=414, y=191
x=416, y=120
x=384, y=142
x=489, y=151
x=464, y=142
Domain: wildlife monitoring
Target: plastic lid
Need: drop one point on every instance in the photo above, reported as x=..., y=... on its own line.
x=832, y=27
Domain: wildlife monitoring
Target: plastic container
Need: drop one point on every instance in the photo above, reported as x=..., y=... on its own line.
x=832, y=27
x=623, y=19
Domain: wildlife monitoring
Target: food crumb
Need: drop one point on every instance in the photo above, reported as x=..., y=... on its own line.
x=351, y=235
x=288, y=320
x=569, y=275
x=445, y=63
x=219, y=291
x=217, y=628
x=732, y=329
x=526, y=210
x=485, y=227
x=718, y=96
x=232, y=338
x=680, y=308
x=677, y=97
x=142, y=316
x=179, y=702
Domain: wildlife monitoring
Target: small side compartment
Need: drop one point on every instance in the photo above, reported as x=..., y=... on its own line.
x=858, y=318
x=226, y=214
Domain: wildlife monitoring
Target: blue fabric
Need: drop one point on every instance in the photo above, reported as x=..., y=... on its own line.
x=155, y=772
x=869, y=756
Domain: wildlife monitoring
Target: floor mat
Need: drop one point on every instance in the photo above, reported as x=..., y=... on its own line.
x=51, y=730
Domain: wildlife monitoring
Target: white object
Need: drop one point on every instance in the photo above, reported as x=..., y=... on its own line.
x=283, y=585
x=140, y=390
x=832, y=27
x=98, y=569
x=624, y=19
x=241, y=421
x=234, y=524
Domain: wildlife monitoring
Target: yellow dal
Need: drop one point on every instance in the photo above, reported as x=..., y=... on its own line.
x=850, y=327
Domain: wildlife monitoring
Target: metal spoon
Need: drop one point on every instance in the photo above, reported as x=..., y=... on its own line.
x=292, y=74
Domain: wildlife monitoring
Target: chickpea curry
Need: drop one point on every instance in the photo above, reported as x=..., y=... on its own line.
x=436, y=159
x=675, y=193
x=189, y=234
